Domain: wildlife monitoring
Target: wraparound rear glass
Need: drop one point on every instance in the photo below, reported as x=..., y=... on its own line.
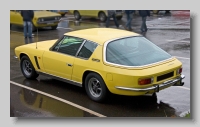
x=134, y=51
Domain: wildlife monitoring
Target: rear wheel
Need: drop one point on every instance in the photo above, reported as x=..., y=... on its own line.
x=27, y=68
x=95, y=87
x=102, y=16
x=77, y=15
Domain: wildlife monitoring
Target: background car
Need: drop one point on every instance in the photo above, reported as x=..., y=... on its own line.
x=41, y=19
x=157, y=11
x=101, y=14
x=61, y=12
x=103, y=60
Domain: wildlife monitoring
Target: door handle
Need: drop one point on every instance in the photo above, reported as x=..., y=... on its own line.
x=68, y=64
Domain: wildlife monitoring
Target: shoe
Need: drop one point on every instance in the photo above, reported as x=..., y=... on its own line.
x=25, y=37
x=130, y=29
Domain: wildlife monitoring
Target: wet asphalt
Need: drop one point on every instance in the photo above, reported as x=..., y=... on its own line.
x=50, y=98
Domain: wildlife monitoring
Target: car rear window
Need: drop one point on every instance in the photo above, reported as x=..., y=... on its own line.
x=134, y=51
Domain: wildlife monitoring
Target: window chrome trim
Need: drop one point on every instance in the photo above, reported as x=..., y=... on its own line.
x=80, y=48
x=119, y=65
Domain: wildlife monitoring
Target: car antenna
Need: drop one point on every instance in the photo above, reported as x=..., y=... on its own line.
x=37, y=38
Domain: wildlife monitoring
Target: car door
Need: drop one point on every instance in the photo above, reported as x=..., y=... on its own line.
x=60, y=59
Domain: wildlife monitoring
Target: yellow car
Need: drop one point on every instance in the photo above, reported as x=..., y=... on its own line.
x=103, y=60
x=101, y=14
x=41, y=19
x=61, y=12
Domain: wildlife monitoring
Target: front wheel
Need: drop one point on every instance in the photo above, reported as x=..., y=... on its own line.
x=27, y=68
x=95, y=87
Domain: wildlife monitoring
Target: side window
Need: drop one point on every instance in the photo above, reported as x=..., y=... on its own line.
x=87, y=49
x=69, y=45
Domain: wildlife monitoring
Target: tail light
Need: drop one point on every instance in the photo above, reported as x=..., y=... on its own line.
x=145, y=81
x=179, y=71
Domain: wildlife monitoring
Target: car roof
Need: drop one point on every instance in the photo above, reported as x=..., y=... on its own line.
x=101, y=35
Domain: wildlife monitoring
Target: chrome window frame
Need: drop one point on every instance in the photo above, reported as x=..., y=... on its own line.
x=76, y=55
x=119, y=65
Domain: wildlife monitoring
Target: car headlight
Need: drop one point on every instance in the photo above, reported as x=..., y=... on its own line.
x=40, y=20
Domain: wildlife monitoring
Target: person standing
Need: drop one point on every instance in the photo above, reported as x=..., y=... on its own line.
x=129, y=16
x=144, y=14
x=27, y=16
x=111, y=14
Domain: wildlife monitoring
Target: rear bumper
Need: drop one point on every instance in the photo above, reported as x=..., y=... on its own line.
x=157, y=87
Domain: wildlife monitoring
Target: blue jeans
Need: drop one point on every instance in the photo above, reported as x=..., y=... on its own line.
x=129, y=19
x=114, y=18
x=27, y=29
x=143, y=26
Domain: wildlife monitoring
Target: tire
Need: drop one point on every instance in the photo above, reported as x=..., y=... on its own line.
x=27, y=68
x=102, y=16
x=167, y=11
x=119, y=17
x=10, y=26
x=95, y=87
x=77, y=15
x=62, y=15
x=155, y=11
x=54, y=27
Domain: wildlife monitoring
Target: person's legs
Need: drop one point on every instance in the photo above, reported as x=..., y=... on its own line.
x=128, y=20
x=108, y=21
x=145, y=26
x=25, y=29
x=115, y=20
x=29, y=29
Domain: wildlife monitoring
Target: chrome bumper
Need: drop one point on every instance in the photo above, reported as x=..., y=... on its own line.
x=157, y=87
x=15, y=57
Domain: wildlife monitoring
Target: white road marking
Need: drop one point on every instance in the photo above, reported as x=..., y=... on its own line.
x=178, y=41
x=64, y=28
x=60, y=99
x=182, y=87
x=182, y=57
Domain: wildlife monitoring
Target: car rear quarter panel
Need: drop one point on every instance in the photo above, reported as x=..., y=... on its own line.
x=124, y=77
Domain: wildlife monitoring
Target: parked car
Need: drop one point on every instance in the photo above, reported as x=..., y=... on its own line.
x=101, y=14
x=41, y=19
x=103, y=60
x=61, y=12
x=157, y=11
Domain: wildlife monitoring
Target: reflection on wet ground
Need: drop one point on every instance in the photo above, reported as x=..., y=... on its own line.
x=116, y=106
x=38, y=105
